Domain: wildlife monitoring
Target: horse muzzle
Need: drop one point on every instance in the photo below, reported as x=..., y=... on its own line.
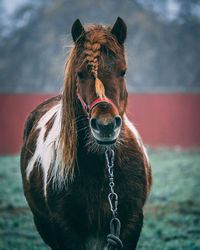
x=105, y=124
x=106, y=131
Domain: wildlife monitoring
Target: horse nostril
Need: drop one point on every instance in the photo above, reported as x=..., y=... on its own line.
x=93, y=123
x=118, y=121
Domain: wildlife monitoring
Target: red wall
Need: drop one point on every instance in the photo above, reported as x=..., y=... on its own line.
x=167, y=119
x=162, y=119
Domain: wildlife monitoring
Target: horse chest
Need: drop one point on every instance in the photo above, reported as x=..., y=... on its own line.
x=83, y=205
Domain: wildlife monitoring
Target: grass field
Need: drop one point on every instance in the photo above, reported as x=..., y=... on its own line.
x=172, y=213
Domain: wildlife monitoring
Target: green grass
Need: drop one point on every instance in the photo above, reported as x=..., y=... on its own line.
x=172, y=213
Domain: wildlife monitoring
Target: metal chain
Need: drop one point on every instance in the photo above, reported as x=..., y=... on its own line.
x=113, y=238
x=112, y=196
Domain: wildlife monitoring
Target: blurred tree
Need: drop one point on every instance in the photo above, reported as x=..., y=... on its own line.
x=163, y=54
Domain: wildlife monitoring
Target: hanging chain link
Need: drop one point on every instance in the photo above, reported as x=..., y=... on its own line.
x=114, y=242
x=112, y=196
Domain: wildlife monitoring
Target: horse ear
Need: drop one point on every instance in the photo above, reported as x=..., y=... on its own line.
x=77, y=30
x=119, y=29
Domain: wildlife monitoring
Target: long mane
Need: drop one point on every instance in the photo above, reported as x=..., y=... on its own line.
x=67, y=142
x=96, y=38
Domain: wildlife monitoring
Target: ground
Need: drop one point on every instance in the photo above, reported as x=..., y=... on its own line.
x=172, y=213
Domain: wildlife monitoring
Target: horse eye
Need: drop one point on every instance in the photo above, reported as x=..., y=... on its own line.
x=80, y=75
x=123, y=73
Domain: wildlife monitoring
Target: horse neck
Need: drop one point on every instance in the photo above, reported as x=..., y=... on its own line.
x=93, y=161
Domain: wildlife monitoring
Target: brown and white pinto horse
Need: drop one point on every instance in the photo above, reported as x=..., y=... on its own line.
x=63, y=162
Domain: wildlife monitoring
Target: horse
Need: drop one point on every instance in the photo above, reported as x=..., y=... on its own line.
x=63, y=163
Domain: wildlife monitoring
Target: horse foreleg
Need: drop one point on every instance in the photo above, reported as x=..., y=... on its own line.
x=131, y=234
x=46, y=231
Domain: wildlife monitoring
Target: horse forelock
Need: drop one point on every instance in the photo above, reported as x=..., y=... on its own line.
x=97, y=39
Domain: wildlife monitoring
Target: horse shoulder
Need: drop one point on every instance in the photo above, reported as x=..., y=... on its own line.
x=129, y=126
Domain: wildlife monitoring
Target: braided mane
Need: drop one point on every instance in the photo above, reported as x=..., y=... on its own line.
x=96, y=40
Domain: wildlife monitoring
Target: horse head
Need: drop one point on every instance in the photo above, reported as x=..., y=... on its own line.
x=100, y=70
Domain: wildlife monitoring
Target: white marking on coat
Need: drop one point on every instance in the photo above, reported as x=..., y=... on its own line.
x=136, y=134
x=45, y=151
